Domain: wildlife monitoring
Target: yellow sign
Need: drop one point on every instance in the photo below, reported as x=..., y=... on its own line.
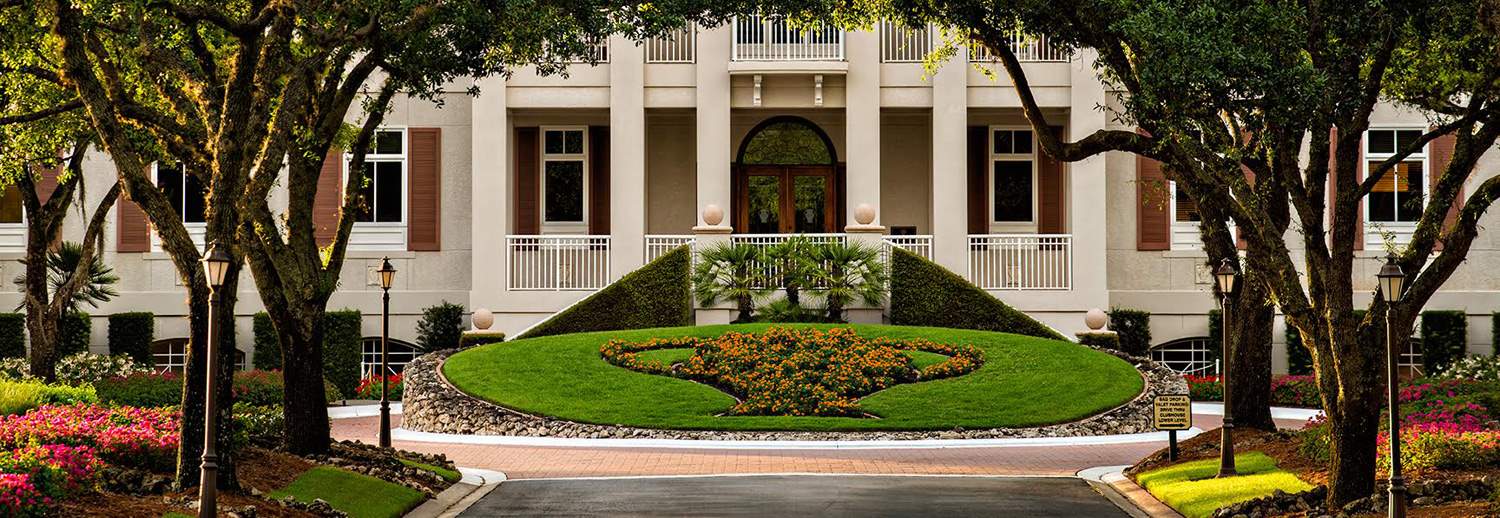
x=1173, y=412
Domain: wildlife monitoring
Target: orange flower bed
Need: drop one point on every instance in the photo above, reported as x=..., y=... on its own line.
x=797, y=372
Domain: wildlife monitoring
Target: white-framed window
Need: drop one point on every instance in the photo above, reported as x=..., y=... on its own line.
x=1396, y=203
x=185, y=193
x=401, y=353
x=170, y=355
x=1012, y=179
x=1193, y=356
x=12, y=220
x=565, y=167
x=1185, y=219
x=380, y=221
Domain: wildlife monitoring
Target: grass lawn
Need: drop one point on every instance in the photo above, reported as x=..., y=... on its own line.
x=359, y=495
x=447, y=474
x=1192, y=490
x=1025, y=381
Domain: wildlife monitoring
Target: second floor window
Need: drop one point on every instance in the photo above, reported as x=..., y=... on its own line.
x=1012, y=176
x=383, y=182
x=1400, y=194
x=184, y=192
x=1184, y=209
x=564, y=171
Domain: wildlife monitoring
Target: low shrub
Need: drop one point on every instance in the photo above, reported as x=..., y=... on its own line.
x=473, y=338
x=267, y=346
x=12, y=335
x=1426, y=447
x=1286, y=390
x=259, y=425
x=130, y=334
x=34, y=477
x=369, y=387
x=80, y=368
x=15, y=369
x=1109, y=341
x=259, y=388
x=132, y=437
x=655, y=295
x=17, y=397
x=1445, y=338
x=1134, y=328
x=783, y=311
x=440, y=327
x=73, y=334
x=342, y=345
x=1298, y=358
x=141, y=389
x=926, y=294
x=1477, y=368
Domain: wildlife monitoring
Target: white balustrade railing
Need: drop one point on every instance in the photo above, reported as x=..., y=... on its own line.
x=920, y=245
x=599, y=53
x=557, y=262
x=902, y=44
x=677, y=46
x=656, y=245
x=772, y=38
x=768, y=269
x=1021, y=261
x=1028, y=48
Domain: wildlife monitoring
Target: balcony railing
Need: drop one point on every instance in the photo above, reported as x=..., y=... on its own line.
x=557, y=263
x=770, y=38
x=1028, y=48
x=920, y=245
x=656, y=245
x=902, y=44
x=599, y=53
x=678, y=46
x=1021, y=261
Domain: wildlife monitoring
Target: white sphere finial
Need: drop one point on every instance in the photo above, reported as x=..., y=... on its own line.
x=713, y=215
x=1095, y=319
x=864, y=214
x=483, y=319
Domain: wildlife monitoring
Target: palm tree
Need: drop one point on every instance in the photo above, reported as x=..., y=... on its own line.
x=846, y=272
x=98, y=286
x=730, y=272
x=794, y=270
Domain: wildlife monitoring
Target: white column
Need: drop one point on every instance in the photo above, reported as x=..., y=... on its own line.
x=1086, y=187
x=714, y=146
x=950, y=119
x=862, y=128
x=627, y=155
x=490, y=195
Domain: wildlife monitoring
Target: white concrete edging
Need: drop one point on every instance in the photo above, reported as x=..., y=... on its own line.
x=1277, y=412
x=401, y=434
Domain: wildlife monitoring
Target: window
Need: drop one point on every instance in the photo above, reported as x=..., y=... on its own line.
x=10, y=205
x=1192, y=356
x=564, y=175
x=1012, y=176
x=401, y=353
x=383, y=180
x=170, y=355
x=184, y=191
x=1184, y=209
x=1399, y=196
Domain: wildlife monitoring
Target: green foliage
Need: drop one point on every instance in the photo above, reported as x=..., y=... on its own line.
x=267, y=344
x=1109, y=341
x=656, y=295
x=1298, y=358
x=97, y=288
x=16, y=397
x=1134, y=328
x=477, y=337
x=1476, y=368
x=260, y=425
x=730, y=272
x=783, y=311
x=12, y=335
x=141, y=389
x=847, y=272
x=131, y=334
x=1215, y=334
x=441, y=327
x=85, y=367
x=793, y=267
x=925, y=294
x=342, y=343
x=360, y=496
x=73, y=334
x=1444, y=339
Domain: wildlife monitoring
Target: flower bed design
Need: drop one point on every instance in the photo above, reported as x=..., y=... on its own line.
x=1286, y=390
x=124, y=435
x=797, y=372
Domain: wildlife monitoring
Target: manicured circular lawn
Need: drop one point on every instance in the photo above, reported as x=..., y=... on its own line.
x=1025, y=381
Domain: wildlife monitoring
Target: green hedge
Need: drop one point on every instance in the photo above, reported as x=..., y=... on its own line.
x=1134, y=327
x=73, y=334
x=473, y=338
x=658, y=294
x=131, y=334
x=1298, y=359
x=1215, y=334
x=267, y=346
x=1109, y=341
x=12, y=335
x=1444, y=339
x=1495, y=334
x=926, y=294
x=440, y=327
x=341, y=349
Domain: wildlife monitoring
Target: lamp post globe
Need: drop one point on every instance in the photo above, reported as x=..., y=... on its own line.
x=1392, y=283
x=387, y=278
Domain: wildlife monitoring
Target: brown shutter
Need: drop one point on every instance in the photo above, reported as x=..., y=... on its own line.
x=598, y=196
x=1153, y=224
x=132, y=232
x=1441, y=152
x=424, y=233
x=528, y=188
x=329, y=198
x=1239, y=236
x=1052, y=212
x=46, y=183
x=979, y=199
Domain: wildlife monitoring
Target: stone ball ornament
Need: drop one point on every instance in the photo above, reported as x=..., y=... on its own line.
x=483, y=318
x=864, y=214
x=713, y=215
x=1095, y=319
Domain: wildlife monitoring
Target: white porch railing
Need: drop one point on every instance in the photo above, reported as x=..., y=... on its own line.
x=1028, y=48
x=902, y=44
x=557, y=263
x=920, y=245
x=656, y=245
x=770, y=38
x=599, y=53
x=769, y=269
x=678, y=46
x=1021, y=261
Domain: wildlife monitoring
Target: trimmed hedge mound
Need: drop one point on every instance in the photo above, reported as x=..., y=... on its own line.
x=131, y=334
x=73, y=334
x=342, y=346
x=925, y=294
x=12, y=335
x=1134, y=327
x=1445, y=339
x=658, y=294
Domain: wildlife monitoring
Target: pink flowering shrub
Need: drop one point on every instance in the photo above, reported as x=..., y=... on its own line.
x=1442, y=446
x=1444, y=425
x=33, y=477
x=19, y=497
x=139, y=437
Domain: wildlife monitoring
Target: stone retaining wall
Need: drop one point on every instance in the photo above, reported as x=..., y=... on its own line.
x=431, y=404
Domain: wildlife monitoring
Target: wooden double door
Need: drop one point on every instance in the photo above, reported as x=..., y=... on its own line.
x=787, y=199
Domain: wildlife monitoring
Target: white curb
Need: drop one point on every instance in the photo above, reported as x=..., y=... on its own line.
x=402, y=434
x=346, y=412
x=1300, y=414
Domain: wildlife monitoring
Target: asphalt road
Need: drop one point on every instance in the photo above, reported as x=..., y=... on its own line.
x=797, y=495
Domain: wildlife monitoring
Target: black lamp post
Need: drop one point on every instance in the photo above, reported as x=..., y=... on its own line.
x=1392, y=283
x=1227, y=277
x=387, y=276
x=215, y=266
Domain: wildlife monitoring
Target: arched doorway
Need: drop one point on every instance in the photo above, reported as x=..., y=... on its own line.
x=787, y=179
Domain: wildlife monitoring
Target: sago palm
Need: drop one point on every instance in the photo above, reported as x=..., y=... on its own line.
x=846, y=272
x=730, y=272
